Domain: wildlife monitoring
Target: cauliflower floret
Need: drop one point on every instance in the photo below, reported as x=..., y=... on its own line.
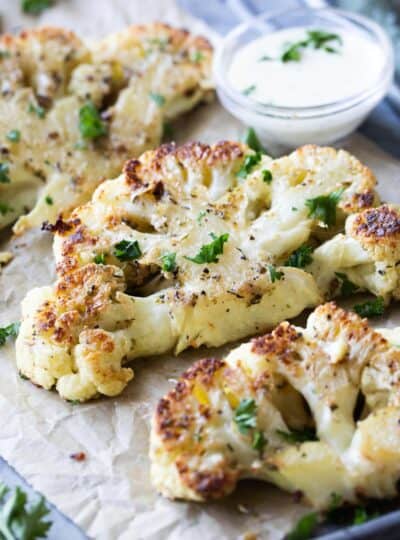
x=128, y=84
x=182, y=250
x=365, y=257
x=282, y=408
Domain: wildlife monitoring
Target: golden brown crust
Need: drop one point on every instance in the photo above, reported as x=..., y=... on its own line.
x=378, y=231
x=81, y=296
x=195, y=451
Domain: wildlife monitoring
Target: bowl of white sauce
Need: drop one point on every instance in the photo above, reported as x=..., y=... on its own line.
x=304, y=76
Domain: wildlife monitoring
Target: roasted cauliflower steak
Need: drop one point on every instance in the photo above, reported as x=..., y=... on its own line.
x=366, y=255
x=72, y=114
x=184, y=249
x=313, y=410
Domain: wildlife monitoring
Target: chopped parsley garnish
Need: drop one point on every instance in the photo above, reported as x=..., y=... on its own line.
x=200, y=216
x=297, y=435
x=259, y=441
x=100, y=258
x=209, y=252
x=317, y=39
x=249, y=90
x=361, y=516
x=250, y=161
x=323, y=207
x=250, y=138
x=158, y=99
x=5, y=208
x=4, y=170
x=168, y=131
x=301, y=257
x=292, y=52
x=347, y=288
x=35, y=7
x=37, y=109
x=274, y=274
x=304, y=527
x=14, y=135
x=91, y=126
x=168, y=262
x=266, y=176
x=336, y=502
x=9, y=331
x=127, y=250
x=246, y=415
x=197, y=57
x=49, y=200
x=19, y=522
x=371, y=308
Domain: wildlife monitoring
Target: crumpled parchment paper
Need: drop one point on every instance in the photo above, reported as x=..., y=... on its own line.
x=109, y=494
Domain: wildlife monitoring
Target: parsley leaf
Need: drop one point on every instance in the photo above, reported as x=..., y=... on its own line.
x=318, y=39
x=348, y=288
x=14, y=135
x=249, y=90
x=361, y=516
x=35, y=7
x=4, y=170
x=336, y=501
x=168, y=262
x=274, y=273
x=250, y=138
x=266, y=176
x=9, y=331
x=91, y=125
x=200, y=216
x=334, y=508
x=37, y=109
x=259, y=441
x=158, y=99
x=197, y=57
x=297, y=435
x=209, y=252
x=371, y=308
x=127, y=250
x=168, y=131
x=19, y=522
x=300, y=258
x=246, y=415
x=250, y=161
x=49, y=200
x=323, y=207
x=292, y=52
x=5, y=208
x=100, y=258
x=304, y=527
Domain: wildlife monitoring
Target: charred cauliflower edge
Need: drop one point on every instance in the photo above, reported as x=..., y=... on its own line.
x=188, y=247
x=313, y=410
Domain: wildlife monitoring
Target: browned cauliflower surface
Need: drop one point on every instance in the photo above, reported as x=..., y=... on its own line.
x=71, y=114
x=313, y=410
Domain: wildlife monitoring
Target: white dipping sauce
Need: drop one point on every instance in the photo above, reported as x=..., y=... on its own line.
x=318, y=78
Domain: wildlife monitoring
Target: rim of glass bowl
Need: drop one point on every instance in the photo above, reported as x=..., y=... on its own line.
x=383, y=79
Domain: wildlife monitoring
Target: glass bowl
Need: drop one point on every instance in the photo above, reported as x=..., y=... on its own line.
x=284, y=128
